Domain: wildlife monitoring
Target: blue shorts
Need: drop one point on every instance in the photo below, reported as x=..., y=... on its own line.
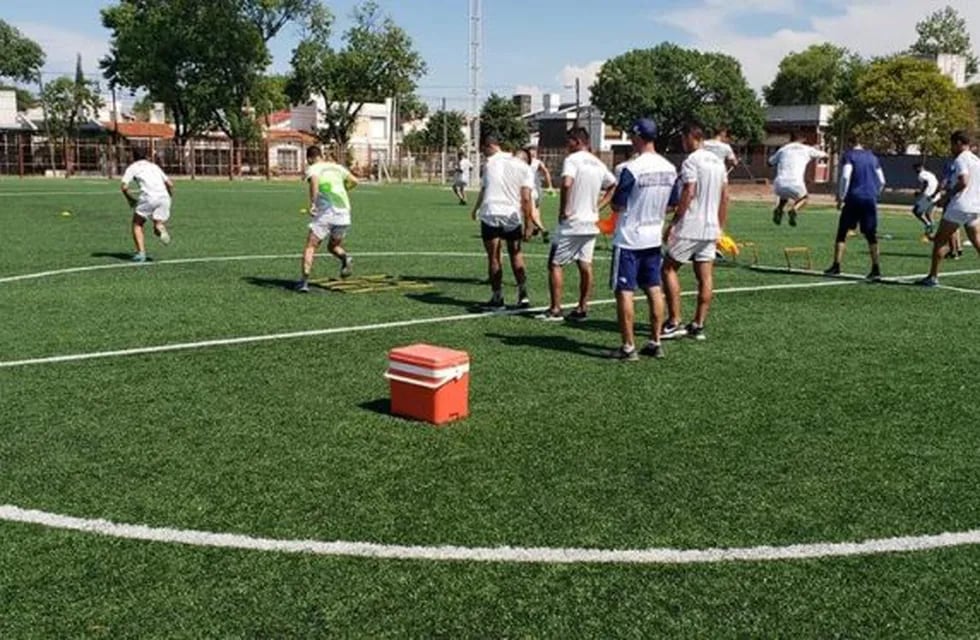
x=635, y=268
x=863, y=213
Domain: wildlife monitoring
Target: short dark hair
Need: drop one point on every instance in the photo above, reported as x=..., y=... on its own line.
x=313, y=152
x=579, y=134
x=139, y=153
x=794, y=136
x=489, y=139
x=960, y=137
x=918, y=166
x=694, y=130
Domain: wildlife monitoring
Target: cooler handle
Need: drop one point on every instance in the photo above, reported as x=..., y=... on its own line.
x=421, y=383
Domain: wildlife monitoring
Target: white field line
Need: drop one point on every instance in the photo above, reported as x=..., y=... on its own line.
x=184, y=346
x=281, y=256
x=528, y=555
x=909, y=280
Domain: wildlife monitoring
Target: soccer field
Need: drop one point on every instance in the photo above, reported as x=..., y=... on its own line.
x=204, y=397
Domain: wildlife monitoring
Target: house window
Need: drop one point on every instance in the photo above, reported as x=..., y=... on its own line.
x=377, y=129
x=287, y=159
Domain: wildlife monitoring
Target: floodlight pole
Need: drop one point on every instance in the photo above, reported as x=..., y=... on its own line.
x=445, y=138
x=476, y=46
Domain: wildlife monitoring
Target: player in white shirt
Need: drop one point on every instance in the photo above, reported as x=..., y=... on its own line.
x=719, y=145
x=645, y=190
x=585, y=179
x=153, y=203
x=461, y=177
x=536, y=226
x=541, y=173
x=694, y=231
x=925, y=197
x=791, y=161
x=503, y=207
x=962, y=204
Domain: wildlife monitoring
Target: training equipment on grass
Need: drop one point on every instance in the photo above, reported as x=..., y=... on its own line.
x=753, y=247
x=371, y=284
x=65, y=214
x=728, y=245
x=789, y=252
x=429, y=383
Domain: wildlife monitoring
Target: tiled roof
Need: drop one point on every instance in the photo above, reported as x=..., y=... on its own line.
x=142, y=129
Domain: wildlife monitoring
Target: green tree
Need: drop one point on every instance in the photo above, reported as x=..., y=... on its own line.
x=672, y=85
x=903, y=101
x=973, y=91
x=821, y=74
x=502, y=118
x=68, y=103
x=411, y=108
x=378, y=60
x=945, y=31
x=431, y=136
x=25, y=99
x=21, y=58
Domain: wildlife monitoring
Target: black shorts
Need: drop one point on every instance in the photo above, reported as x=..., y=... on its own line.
x=855, y=213
x=492, y=233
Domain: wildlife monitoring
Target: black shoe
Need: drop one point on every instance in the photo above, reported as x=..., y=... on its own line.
x=496, y=303
x=777, y=216
x=551, y=316
x=523, y=301
x=671, y=331
x=792, y=217
x=834, y=270
x=623, y=355
x=545, y=236
x=875, y=274
x=577, y=316
x=654, y=351
x=695, y=332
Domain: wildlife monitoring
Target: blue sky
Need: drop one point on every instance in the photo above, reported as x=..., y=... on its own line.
x=542, y=45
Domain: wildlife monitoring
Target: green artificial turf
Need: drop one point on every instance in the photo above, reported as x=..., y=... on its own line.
x=823, y=414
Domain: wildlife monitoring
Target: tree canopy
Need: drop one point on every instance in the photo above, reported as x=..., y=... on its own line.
x=431, y=136
x=945, y=31
x=502, y=118
x=821, y=74
x=673, y=85
x=377, y=61
x=903, y=101
x=21, y=58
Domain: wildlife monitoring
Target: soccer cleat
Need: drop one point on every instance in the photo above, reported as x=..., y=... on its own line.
x=139, y=257
x=834, y=270
x=777, y=216
x=695, y=332
x=303, y=286
x=875, y=275
x=624, y=355
x=545, y=236
x=671, y=331
x=164, y=236
x=523, y=301
x=578, y=316
x=792, y=217
x=496, y=303
x=347, y=267
x=653, y=350
x=551, y=316
x=928, y=281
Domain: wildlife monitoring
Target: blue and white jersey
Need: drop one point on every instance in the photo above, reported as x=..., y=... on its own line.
x=646, y=188
x=862, y=178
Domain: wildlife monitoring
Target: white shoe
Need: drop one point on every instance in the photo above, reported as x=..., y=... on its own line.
x=164, y=236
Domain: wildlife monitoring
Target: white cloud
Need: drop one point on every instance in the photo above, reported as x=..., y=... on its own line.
x=586, y=75
x=62, y=45
x=869, y=27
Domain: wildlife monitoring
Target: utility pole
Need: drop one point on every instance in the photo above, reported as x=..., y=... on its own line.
x=445, y=140
x=578, y=99
x=476, y=50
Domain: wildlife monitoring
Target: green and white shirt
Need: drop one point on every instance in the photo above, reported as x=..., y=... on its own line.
x=332, y=198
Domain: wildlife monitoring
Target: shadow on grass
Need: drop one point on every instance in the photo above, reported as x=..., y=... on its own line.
x=381, y=406
x=450, y=279
x=280, y=283
x=116, y=255
x=443, y=300
x=553, y=343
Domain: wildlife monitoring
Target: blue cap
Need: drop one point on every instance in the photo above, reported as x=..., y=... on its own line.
x=645, y=128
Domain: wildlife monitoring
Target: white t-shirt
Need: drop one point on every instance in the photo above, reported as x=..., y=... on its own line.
x=642, y=197
x=721, y=149
x=503, y=177
x=463, y=168
x=707, y=172
x=151, y=179
x=791, y=161
x=967, y=201
x=589, y=178
x=928, y=183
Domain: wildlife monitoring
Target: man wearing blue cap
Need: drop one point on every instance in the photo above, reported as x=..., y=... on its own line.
x=646, y=188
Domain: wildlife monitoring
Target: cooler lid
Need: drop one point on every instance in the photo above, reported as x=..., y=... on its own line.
x=430, y=356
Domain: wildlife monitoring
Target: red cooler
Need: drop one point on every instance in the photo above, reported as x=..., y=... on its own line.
x=429, y=383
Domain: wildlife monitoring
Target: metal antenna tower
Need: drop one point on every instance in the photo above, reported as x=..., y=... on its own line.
x=476, y=55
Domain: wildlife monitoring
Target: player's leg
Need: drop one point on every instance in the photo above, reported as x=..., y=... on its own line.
x=335, y=245
x=139, y=238
x=672, y=291
x=495, y=271
x=798, y=205
x=777, y=213
x=556, y=281
x=160, y=216
x=947, y=230
x=869, y=227
x=516, y=253
x=622, y=279
x=956, y=244
x=586, y=279
x=704, y=273
x=973, y=233
x=844, y=224
x=313, y=241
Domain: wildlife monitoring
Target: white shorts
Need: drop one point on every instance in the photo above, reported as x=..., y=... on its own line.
x=923, y=205
x=790, y=191
x=686, y=250
x=158, y=210
x=330, y=223
x=964, y=218
x=568, y=249
x=460, y=183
